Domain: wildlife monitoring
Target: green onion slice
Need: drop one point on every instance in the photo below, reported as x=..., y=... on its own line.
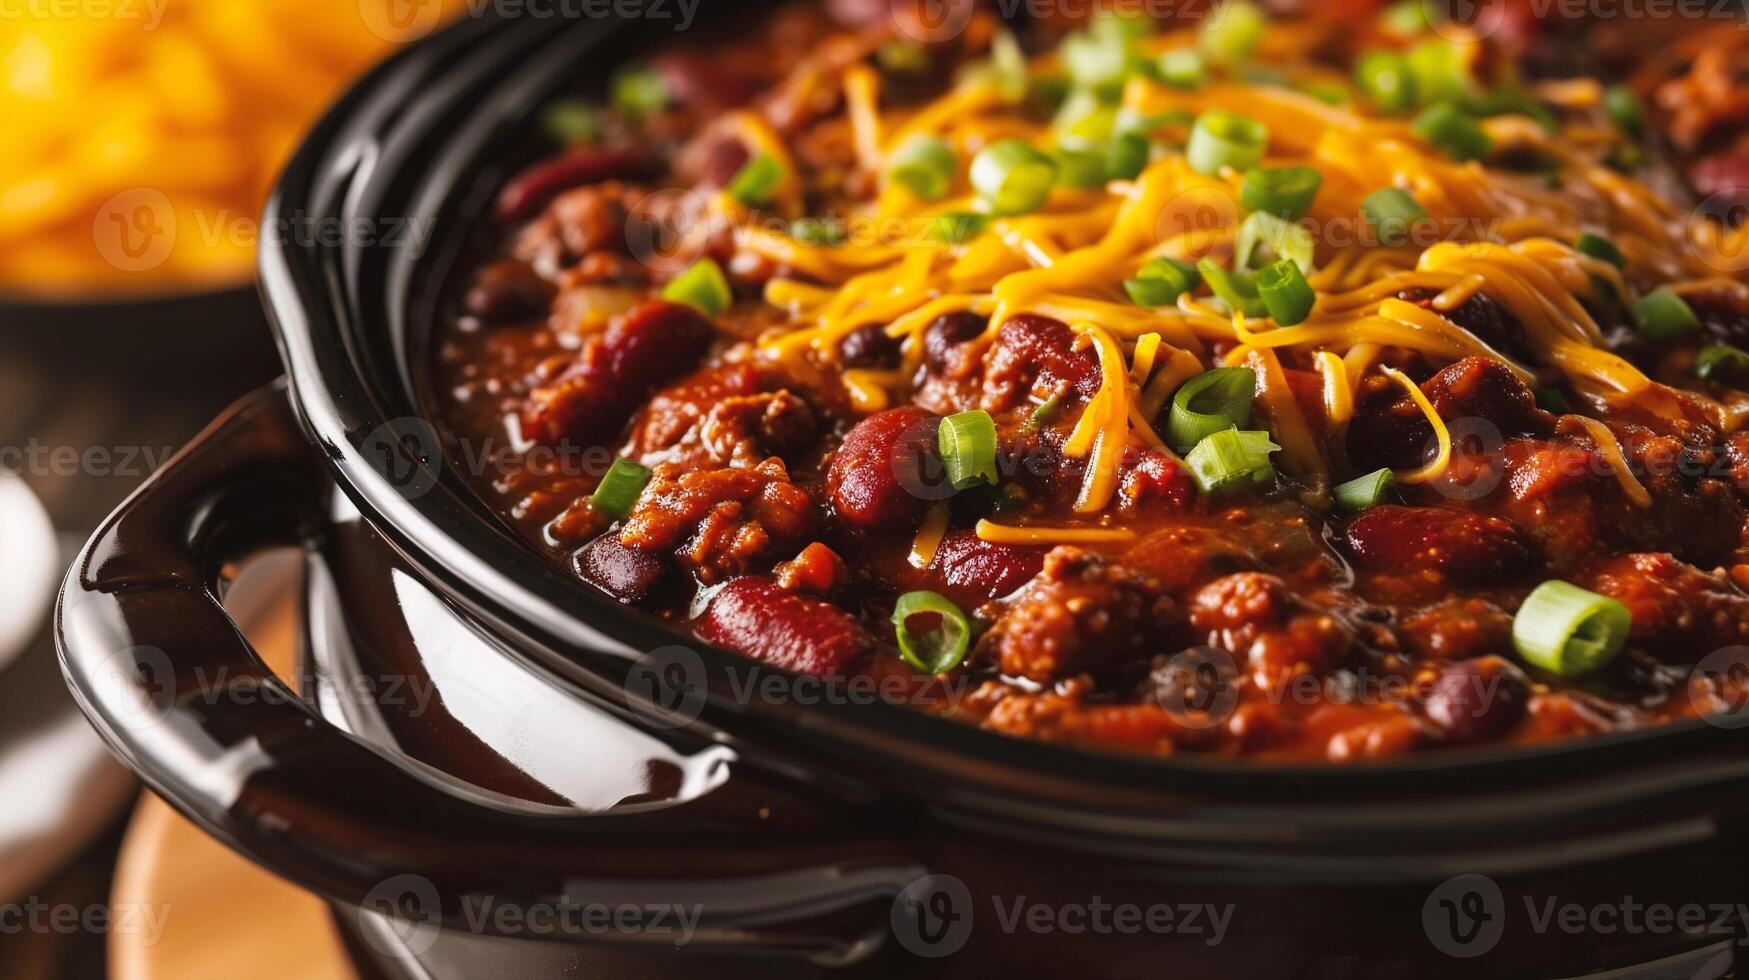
x=1013, y=176
x=1623, y=106
x=937, y=650
x=1225, y=139
x=1286, y=192
x=957, y=227
x=1453, y=132
x=1099, y=61
x=618, y=491
x=1231, y=32
x=1231, y=458
x=1129, y=156
x=1084, y=121
x=1391, y=212
x=639, y=92
x=1599, y=247
x=1161, y=282
x=571, y=121
x=1366, y=491
x=1238, y=290
x=702, y=285
x=1386, y=81
x=1721, y=360
x=1208, y=403
x=1442, y=72
x=924, y=165
x=968, y=449
x=1663, y=315
x=1284, y=239
x=818, y=231
x=1183, y=68
x=1405, y=18
x=1286, y=293
x=1567, y=630
x=1081, y=169
x=1552, y=400
x=757, y=181
x=1041, y=415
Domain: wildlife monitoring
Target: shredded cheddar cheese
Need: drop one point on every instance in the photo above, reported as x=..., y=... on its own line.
x=1005, y=534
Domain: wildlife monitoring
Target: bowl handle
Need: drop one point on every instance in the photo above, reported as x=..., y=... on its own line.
x=169, y=681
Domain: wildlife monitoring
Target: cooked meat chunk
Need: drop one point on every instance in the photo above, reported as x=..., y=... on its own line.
x=721, y=523
x=1083, y=613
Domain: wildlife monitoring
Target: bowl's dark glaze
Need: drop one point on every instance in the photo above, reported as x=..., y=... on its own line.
x=1325, y=863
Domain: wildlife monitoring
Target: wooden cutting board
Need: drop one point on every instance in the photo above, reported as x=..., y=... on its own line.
x=221, y=916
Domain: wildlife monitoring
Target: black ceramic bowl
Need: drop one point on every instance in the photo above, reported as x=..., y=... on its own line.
x=577, y=754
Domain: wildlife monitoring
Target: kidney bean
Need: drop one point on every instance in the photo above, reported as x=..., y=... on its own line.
x=592, y=399
x=868, y=346
x=888, y=470
x=756, y=618
x=1457, y=543
x=531, y=189
x=943, y=338
x=628, y=574
x=1476, y=700
x=506, y=292
x=970, y=570
x=1037, y=353
x=1481, y=387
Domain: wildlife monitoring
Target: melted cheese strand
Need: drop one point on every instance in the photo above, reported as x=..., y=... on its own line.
x=1437, y=466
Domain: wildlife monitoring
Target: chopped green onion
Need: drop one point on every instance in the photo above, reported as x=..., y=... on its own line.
x=1386, y=81
x=1392, y=212
x=1286, y=293
x=1663, y=315
x=1566, y=630
x=924, y=165
x=934, y=651
x=968, y=449
x=1041, y=415
x=1286, y=192
x=1183, y=68
x=1552, y=400
x=1231, y=458
x=757, y=181
x=1453, y=132
x=1225, y=139
x=639, y=92
x=1013, y=176
x=1721, y=360
x=702, y=285
x=1129, y=157
x=1161, y=282
x=1441, y=72
x=817, y=231
x=618, y=491
x=1599, y=247
x=1329, y=93
x=1131, y=122
x=957, y=227
x=1008, y=63
x=1084, y=120
x=1406, y=18
x=903, y=57
x=1236, y=289
x=1623, y=106
x=1285, y=240
x=1081, y=169
x=572, y=121
x=1098, y=62
x=1231, y=32
x=1366, y=491
x=1208, y=403
x=1515, y=101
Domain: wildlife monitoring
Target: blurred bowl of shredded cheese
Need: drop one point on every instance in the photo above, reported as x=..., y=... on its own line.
x=142, y=136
